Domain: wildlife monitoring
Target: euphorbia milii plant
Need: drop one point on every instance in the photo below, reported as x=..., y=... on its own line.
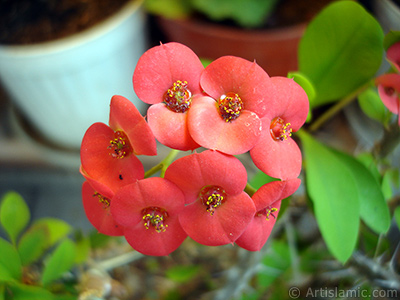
x=231, y=107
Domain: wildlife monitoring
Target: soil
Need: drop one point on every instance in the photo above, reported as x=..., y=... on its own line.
x=35, y=21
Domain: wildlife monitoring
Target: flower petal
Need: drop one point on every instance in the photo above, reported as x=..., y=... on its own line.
x=288, y=101
x=98, y=213
x=389, y=91
x=223, y=227
x=170, y=128
x=192, y=172
x=393, y=55
x=237, y=75
x=210, y=130
x=124, y=116
x=161, y=66
x=101, y=166
x=279, y=159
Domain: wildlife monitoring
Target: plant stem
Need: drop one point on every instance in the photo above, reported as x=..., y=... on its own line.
x=337, y=107
x=163, y=165
x=249, y=190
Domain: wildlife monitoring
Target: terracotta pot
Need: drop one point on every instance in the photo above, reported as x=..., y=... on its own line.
x=273, y=49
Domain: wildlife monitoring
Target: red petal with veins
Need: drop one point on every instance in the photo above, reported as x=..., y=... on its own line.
x=101, y=166
x=97, y=213
x=161, y=66
x=192, y=172
x=270, y=194
x=288, y=101
x=237, y=75
x=210, y=130
x=223, y=227
x=279, y=159
x=389, y=91
x=127, y=208
x=124, y=116
x=393, y=55
x=170, y=128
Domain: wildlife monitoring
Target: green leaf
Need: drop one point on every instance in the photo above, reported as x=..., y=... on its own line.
x=391, y=38
x=32, y=245
x=14, y=214
x=373, y=207
x=56, y=229
x=340, y=51
x=396, y=216
x=334, y=194
x=82, y=249
x=10, y=263
x=171, y=9
x=260, y=179
x=305, y=83
x=249, y=13
x=182, y=274
x=23, y=292
x=60, y=261
x=372, y=105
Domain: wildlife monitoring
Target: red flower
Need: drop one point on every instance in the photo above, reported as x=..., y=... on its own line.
x=148, y=210
x=276, y=153
x=97, y=208
x=229, y=121
x=267, y=200
x=389, y=91
x=168, y=77
x=393, y=55
x=108, y=154
x=213, y=183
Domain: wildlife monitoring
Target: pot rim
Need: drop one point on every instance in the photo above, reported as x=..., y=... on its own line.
x=75, y=39
x=224, y=31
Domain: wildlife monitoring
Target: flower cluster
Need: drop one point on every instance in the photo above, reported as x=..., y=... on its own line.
x=389, y=83
x=228, y=108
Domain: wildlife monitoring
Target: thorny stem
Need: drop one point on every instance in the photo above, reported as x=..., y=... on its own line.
x=337, y=107
x=163, y=165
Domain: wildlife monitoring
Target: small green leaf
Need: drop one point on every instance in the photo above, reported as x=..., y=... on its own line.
x=396, y=216
x=305, y=83
x=391, y=38
x=171, y=9
x=334, y=194
x=60, y=261
x=372, y=105
x=56, y=229
x=32, y=245
x=373, y=207
x=14, y=214
x=82, y=250
x=21, y=291
x=182, y=274
x=340, y=51
x=368, y=160
x=10, y=263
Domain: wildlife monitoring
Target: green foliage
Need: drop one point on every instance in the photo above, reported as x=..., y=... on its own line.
x=182, y=274
x=171, y=9
x=340, y=51
x=372, y=105
x=14, y=214
x=391, y=38
x=333, y=191
x=31, y=247
x=397, y=216
x=246, y=13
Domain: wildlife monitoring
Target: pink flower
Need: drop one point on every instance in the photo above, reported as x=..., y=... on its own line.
x=218, y=210
x=389, y=91
x=168, y=76
x=97, y=208
x=393, y=55
x=148, y=210
x=229, y=120
x=267, y=200
x=276, y=153
x=108, y=153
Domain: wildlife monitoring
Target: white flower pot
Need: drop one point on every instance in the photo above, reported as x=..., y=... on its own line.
x=64, y=86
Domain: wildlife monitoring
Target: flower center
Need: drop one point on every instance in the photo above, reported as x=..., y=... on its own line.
x=267, y=212
x=279, y=130
x=230, y=106
x=212, y=197
x=178, y=97
x=103, y=200
x=389, y=91
x=155, y=217
x=120, y=146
